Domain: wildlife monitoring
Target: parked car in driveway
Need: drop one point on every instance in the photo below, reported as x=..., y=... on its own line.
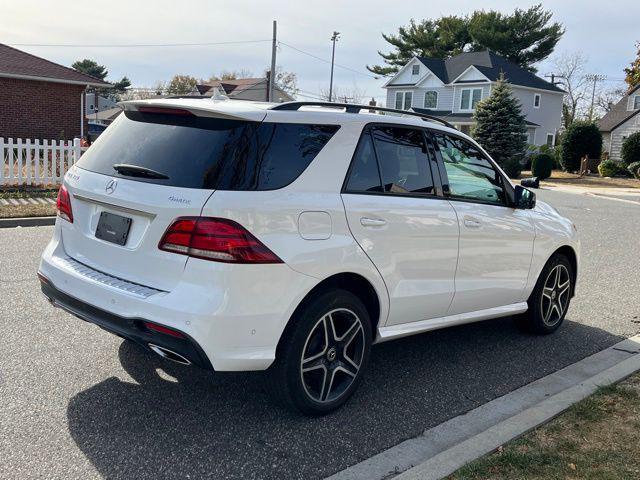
x=290, y=238
x=94, y=130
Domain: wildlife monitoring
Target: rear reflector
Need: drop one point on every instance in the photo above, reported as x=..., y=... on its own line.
x=63, y=204
x=166, y=330
x=217, y=239
x=43, y=279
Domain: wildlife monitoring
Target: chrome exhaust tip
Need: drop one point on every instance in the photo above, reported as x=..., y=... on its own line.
x=169, y=354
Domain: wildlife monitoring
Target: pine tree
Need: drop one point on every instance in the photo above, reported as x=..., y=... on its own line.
x=501, y=128
x=633, y=71
x=524, y=37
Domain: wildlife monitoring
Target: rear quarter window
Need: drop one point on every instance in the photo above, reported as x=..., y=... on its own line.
x=208, y=153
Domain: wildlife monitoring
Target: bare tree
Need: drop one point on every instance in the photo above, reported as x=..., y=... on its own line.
x=606, y=98
x=570, y=69
x=144, y=93
x=352, y=94
x=232, y=75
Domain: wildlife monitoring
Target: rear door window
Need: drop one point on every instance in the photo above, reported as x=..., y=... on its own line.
x=404, y=164
x=208, y=153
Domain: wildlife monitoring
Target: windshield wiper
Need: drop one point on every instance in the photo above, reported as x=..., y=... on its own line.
x=137, y=171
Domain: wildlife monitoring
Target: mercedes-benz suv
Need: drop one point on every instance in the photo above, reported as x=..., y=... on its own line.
x=290, y=238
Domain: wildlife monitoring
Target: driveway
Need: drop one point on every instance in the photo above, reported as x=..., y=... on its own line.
x=77, y=402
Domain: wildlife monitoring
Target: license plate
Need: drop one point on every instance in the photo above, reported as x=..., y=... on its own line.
x=113, y=228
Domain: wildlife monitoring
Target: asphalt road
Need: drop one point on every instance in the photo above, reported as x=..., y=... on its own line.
x=76, y=402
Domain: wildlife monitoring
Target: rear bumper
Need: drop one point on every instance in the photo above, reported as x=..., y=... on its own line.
x=129, y=328
x=233, y=315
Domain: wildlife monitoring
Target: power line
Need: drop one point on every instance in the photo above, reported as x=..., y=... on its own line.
x=329, y=61
x=134, y=45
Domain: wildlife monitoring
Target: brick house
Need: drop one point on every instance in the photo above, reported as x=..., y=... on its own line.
x=40, y=99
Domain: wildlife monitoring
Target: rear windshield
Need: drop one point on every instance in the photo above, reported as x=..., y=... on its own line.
x=209, y=153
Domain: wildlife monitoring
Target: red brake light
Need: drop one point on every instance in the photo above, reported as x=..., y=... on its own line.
x=63, y=204
x=166, y=111
x=217, y=239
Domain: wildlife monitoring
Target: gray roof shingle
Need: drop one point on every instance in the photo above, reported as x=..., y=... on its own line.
x=618, y=114
x=14, y=62
x=451, y=117
x=490, y=65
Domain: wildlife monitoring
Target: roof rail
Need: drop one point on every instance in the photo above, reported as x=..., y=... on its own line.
x=355, y=108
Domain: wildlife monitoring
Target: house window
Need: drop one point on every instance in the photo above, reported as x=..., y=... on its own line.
x=431, y=99
x=469, y=98
x=403, y=100
x=537, y=98
x=550, y=139
x=415, y=70
x=531, y=137
x=636, y=102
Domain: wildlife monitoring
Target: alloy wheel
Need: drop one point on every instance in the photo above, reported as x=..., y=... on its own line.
x=332, y=355
x=555, y=295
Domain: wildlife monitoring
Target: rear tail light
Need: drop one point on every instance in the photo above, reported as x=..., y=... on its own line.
x=217, y=239
x=63, y=204
x=162, y=329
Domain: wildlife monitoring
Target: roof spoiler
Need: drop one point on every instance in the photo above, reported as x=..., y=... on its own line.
x=355, y=108
x=197, y=108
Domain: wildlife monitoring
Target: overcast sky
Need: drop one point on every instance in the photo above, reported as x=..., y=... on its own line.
x=604, y=31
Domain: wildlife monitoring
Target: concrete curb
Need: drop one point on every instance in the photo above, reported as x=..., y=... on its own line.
x=27, y=222
x=445, y=448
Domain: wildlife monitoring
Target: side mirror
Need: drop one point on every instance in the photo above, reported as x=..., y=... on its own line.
x=524, y=198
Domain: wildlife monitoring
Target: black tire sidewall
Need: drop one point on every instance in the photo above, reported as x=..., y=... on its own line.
x=290, y=353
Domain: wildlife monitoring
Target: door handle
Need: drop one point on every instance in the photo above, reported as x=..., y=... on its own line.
x=471, y=222
x=372, y=222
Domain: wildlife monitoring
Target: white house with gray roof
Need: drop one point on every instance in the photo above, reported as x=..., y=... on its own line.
x=621, y=121
x=450, y=89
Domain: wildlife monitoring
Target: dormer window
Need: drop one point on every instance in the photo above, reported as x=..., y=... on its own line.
x=636, y=102
x=415, y=70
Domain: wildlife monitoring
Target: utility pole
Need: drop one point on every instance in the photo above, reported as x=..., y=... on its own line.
x=272, y=73
x=595, y=78
x=334, y=39
x=553, y=77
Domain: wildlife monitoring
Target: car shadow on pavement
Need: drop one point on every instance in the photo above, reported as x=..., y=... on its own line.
x=174, y=421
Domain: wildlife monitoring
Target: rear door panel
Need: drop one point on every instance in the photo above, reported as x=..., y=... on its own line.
x=408, y=232
x=415, y=250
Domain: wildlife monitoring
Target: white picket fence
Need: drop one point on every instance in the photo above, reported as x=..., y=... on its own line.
x=36, y=162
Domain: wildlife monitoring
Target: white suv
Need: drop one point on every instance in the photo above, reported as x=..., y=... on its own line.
x=289, y=238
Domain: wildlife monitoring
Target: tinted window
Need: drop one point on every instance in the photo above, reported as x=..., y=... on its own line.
x=198, y=152
x=272, y=158
x=404, y=164
x=470, y=174
x=364, y=175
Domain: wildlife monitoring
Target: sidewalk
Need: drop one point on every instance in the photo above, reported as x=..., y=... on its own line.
x=622, y=194
x=442, y=450
x=7, y=202
x=18, y=205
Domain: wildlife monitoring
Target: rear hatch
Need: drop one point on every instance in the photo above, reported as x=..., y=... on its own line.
x=155, y=163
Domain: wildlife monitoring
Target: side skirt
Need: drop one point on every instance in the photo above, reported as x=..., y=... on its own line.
x=406, y=329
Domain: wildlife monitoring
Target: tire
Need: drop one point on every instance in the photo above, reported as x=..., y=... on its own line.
x=317, y=367
x=550, y=299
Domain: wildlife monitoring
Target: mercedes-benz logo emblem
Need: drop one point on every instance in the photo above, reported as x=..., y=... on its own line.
x=111, y=186
x=332, y=354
